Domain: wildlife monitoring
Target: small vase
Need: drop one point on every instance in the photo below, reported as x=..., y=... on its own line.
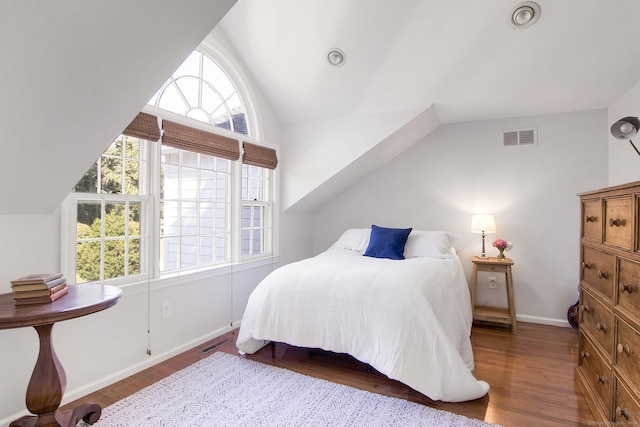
x=501, y=254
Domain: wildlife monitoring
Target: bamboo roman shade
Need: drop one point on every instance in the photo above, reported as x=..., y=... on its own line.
x=257, y=155
x=199, y=141
x=144, y=126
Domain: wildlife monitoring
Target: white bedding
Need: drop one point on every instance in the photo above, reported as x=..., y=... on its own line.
x=409, y=319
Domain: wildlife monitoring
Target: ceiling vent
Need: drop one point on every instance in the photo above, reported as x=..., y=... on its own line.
x=520, y=137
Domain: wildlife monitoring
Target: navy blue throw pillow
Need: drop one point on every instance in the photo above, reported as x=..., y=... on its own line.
x=387, y=242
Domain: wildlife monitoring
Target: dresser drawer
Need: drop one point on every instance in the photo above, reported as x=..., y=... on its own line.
x=618, y=222
x=592, y=220
x=596, y=371
x=626, y=411
x=628, y=351
x=629, y=286
x=597, y=319
x=597, y=270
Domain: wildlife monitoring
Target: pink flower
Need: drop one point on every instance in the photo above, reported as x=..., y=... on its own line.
x=500, y=244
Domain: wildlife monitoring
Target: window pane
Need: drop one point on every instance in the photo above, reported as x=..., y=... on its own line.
x=221, y=248
x=188, y=218
x=111, y=175
x=89, y=219
x=207, y=162
x=206, y=250
x=189, y=87
x=207, y=218
x=257, y=216
x=89, y=182
x=170, y=182
x=132, y=177
x=114, y=256
x=132, y=147
x=170, y=218
x=221, y=219
x=189, y=159
x=169, y=254
x=207, y=183
x=114, y=219
x=171, y=100
x=211, y=101
x=115, y=149
x=189, y=183
x=188, y=252
x=87, y=262
x=257, y=242
x=214, y=75
x=134, y=256
x=246, y=216
x=134, y=219
x=246, y=242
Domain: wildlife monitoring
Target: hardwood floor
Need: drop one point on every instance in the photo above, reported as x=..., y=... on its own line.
x=531, y=375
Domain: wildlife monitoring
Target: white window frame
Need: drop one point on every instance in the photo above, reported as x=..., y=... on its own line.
x=149, y=261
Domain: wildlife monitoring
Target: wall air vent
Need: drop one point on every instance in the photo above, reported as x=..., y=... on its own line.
x=520, y=137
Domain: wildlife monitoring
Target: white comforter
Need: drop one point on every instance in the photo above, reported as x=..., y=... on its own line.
x=409, y=319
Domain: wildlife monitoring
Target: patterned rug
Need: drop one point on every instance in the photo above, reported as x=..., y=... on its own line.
x=226, y=390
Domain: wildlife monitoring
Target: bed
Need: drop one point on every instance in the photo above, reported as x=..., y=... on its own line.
x=409, y=318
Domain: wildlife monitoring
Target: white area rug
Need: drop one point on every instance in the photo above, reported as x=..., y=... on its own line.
x=225, y=390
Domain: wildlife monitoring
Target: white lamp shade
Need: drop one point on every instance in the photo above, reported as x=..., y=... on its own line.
x=483, y=223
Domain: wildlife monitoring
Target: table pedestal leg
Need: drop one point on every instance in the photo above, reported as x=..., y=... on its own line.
x=46, y=389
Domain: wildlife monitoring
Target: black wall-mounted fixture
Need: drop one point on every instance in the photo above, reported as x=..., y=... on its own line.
x=626, y=128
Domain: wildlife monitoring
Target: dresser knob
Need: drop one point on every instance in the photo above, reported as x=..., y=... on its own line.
x=586, y=265
x=622, y=412
x=584, y=354
x=625, y=288
x=624, y=349
x=602, y=275
x=590, y=218
x=601, y=327
x=601, y=379
x=585, y=308
x=616, y=222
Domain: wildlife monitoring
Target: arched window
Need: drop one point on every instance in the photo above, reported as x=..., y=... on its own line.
x=201, y=90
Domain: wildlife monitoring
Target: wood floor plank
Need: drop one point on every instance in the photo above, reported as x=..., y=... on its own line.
x=531, y=375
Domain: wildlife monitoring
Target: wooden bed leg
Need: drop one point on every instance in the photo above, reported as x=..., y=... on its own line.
x=273, y=349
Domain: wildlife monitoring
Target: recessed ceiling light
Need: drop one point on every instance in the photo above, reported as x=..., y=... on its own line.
x=525, y=14
x=336, y=57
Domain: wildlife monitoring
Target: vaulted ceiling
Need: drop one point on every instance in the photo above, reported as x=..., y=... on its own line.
x=463, y=56
x=74, y=73
x=411, y=61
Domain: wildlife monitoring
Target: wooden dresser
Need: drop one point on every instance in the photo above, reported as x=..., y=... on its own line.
x=608, y=370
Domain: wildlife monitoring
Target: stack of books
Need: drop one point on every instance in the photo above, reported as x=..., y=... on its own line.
x=39, y=288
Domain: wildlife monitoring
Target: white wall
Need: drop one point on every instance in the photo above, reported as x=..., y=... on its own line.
x=624, y=162
x=461, y=169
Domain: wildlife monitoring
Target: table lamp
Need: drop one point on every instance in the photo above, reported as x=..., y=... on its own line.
x=484, y=224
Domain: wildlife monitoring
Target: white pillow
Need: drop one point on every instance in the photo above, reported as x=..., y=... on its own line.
x=353, y=239
x=436, y=244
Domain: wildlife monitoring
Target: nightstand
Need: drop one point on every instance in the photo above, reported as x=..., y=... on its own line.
x=506, y=316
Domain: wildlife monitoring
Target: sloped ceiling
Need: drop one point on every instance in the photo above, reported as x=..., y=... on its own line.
x=74, y=73
x=461, y=60
x=463, y=56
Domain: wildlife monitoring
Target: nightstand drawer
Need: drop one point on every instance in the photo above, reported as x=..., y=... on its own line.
x=628, y=352
x=618, y=222
x=596, y=371
x=626, y=411
x=592, y=220
x=629, y=286
x=598, y=270
x=597, y=320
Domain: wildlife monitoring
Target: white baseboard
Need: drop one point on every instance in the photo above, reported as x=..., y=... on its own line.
x=79, y=392
x=543, y=320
